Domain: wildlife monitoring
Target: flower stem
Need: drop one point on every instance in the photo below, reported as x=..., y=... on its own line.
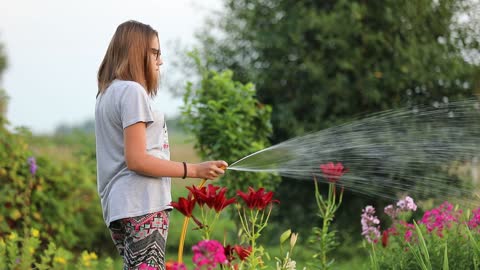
x=184, y=230
x=327, y=212
x=325, y=227
x=253, y=259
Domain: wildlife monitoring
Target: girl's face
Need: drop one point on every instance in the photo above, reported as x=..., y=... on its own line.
x=156, y=56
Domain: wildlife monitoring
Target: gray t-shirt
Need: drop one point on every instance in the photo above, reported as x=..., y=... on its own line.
x=123, y=192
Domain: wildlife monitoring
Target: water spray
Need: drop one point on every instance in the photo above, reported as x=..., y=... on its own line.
x=422, y=151
x=418, y=151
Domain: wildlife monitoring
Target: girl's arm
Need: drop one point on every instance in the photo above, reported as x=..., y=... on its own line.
x=139, y=161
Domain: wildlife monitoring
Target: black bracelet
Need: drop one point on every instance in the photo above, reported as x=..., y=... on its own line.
x=184, y=169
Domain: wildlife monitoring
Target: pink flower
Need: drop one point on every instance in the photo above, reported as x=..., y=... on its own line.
x=208, y=253
x=333, y=172
x=408, y=235
x=403, y=205
x=439, y=218
x=391, y=211
x=370, y=228
x=145, y=266
x=407, y=204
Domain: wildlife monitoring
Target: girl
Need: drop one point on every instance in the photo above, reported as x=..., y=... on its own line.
x=133, y=157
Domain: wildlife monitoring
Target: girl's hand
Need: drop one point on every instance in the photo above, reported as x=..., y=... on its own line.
x=210, y=169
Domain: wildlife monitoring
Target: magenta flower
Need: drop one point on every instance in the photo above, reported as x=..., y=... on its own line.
x=33, y=165
x=145, y=266
x=408, y=230
x=408, y=235
x=474, y=222
x=439, y=218
x=208, y=253
x=370, y=228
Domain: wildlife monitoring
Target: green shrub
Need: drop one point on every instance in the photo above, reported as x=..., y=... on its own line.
x=24, y=252
x=228, y=123
x=59, y=199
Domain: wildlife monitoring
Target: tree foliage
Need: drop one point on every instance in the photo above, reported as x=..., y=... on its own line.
x=3, y=94
x=321, y=63
x=228, y=123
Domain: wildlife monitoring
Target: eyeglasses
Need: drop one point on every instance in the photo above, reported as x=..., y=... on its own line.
x=156, y=52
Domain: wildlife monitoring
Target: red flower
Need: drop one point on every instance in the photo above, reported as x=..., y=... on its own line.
x=257, y=199
x=229, y=253
x=208, y=195
x=221, y=201
x=385, y=238
x=204, y=195
x=185, y=206
x=242, y=252
x=333, y=172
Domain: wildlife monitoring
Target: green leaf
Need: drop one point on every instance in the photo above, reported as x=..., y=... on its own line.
x=445, y=258
x=421, y=251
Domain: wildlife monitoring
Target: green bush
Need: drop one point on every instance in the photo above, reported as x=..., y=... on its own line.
x=228, y=123
x=24, y=252
x=59, y=199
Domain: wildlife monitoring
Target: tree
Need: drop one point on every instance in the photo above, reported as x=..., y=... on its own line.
x=228, y=123
x=3, y=94
x=321, y=63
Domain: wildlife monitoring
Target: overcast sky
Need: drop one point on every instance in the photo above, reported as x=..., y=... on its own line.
x=54, y=48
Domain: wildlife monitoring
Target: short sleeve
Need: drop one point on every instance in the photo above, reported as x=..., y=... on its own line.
x=135, y=106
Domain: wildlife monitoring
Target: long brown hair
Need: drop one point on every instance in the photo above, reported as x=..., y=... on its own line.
x=127, y=57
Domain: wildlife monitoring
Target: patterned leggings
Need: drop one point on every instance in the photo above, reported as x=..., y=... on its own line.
x=141, y=240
